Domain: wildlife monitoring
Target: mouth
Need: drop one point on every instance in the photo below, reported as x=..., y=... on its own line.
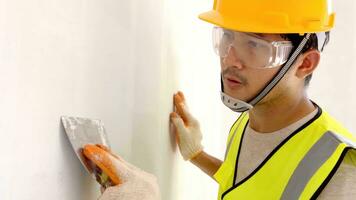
x=232, y=83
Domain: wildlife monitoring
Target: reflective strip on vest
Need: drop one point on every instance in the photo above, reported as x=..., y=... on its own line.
x=311, y=162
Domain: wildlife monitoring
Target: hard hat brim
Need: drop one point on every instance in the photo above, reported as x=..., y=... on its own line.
x=267, y=24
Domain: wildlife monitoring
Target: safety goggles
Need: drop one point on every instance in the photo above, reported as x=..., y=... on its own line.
x=251, y=50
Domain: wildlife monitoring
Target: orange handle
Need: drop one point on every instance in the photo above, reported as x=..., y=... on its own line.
x=100, y=157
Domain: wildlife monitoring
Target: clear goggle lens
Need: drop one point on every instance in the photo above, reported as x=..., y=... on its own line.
x=250, y=50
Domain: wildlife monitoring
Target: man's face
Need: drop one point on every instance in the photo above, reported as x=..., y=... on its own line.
x=242, y=82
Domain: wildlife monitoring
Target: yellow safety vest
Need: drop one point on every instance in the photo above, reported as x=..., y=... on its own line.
x=298, y=168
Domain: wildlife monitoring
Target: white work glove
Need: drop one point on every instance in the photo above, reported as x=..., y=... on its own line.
x=187, y=129
x=136, y=184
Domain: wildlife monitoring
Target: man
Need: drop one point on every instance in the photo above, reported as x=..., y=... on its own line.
x=283, y=146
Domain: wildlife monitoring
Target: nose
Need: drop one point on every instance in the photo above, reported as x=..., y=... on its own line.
x=231, y=58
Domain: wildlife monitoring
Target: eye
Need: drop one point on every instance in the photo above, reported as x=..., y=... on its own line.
x=227, y=35
x=252, y=44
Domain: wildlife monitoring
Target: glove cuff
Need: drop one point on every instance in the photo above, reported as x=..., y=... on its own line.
x=192, y=151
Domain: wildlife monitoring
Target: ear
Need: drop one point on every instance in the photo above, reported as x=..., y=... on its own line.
x=309, y=62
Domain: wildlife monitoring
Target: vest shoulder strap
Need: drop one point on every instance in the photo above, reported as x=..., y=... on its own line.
x=310, y=177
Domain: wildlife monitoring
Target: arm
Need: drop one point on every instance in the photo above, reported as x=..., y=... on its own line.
x=342, y=184
x=207, y=163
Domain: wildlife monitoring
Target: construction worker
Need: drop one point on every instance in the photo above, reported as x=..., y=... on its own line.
x=283, y=145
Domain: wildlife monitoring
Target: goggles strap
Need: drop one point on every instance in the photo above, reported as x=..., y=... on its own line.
x=323, y=39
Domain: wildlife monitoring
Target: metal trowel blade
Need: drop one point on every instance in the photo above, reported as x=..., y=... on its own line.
x=82, y=131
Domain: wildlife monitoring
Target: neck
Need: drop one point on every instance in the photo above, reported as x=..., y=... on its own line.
x=279, y=113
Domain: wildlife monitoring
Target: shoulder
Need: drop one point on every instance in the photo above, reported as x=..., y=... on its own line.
x=242, y=117
x=325, y=122
x=342, y=184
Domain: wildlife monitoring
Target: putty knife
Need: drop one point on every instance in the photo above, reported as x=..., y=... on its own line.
x=82, y=131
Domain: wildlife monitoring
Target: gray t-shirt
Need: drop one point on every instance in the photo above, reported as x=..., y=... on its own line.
x=256, y=147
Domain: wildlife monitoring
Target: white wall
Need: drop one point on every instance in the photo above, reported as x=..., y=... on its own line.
x=121, y=61
x=334, y=83
x=63, y=57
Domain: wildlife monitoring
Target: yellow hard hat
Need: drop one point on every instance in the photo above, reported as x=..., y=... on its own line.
x=272, y=16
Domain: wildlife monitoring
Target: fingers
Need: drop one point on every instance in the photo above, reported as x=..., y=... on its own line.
x=180, y=93
x=173, y=115
x=182, y=109
x=192, y=121
x=177, y=121
x=179, y=104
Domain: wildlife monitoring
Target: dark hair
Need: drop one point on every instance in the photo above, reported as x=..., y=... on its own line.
x=312, y=43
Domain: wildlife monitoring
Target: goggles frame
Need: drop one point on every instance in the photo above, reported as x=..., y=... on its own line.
x=279, y=50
